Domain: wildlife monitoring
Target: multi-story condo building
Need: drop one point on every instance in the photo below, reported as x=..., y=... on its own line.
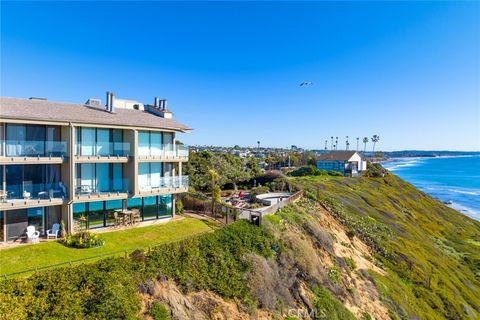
x=71, y=162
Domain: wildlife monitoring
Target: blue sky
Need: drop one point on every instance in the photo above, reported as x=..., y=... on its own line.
x=409, y=72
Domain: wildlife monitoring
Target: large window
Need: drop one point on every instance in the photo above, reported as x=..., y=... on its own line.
x=150, y=175
x=154, y=143
x=100, y=178
x=165, y=206
x=33, y=140
x=101, y=142
x=150, y=208
x=17, y=221
x=2, y=224
x=101, y=213
x=34, y=181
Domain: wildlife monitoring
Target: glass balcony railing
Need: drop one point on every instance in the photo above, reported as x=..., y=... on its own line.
x=103, y=187
x=35, y=191
x=166, y=182
x=164, y=150
x=112, y=149
x=182, y=150
x=19, y=148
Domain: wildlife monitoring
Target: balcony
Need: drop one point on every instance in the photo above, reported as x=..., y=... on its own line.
x=103, y=189
x=164, y=152
x=98, y=152
x=33, y=151
x=24, y=195
x=166, y=185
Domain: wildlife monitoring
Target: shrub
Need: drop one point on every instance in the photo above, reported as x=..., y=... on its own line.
x=335, y=173
x=322, y=237
x=307, y=171
x=260, y=190
x=83, y=239
x=269, y=284
x=328, y=307
x=179, y=206
x=103, y=290
x=351, y=263
x=158, y=311
x=375, y=170
x=334, y=275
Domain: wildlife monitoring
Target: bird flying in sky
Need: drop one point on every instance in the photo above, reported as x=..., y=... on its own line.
x=306, y=83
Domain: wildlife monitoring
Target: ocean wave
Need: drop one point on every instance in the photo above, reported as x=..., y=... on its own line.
x=472, y=193
x=395, y=165
x=472, y=213
x=447, y=190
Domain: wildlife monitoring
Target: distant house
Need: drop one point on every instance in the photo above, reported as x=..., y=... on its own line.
x=349, y=163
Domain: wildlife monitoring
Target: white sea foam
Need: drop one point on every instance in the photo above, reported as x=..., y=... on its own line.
x=473, y=193
x=465, y=210
x=398, y=164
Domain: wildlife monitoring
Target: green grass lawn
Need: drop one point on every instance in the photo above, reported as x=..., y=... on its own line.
x=29, y=256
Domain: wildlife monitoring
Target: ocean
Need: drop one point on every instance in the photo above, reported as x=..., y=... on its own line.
x=454, y=180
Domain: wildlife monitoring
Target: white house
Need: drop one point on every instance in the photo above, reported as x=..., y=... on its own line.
x=349, y=163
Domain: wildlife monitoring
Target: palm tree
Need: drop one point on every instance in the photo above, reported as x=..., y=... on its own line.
x=336, y=143
x=346, y=143
x=214, y=177
x=365, y=141
x=358, y=139
x=331, y=143
x=326, y=142
x=258, y=145
x=375, y=139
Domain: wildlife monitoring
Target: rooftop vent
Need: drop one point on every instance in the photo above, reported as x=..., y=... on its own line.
x=91, y=102
x=159, y=108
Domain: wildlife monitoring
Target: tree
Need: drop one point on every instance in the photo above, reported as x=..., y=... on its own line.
x=230, y=168
x=358, y=139
x=365, y=141
x=375, y=139
x=347, y=144
x=258, y=145
x=331, y=143
x=214, y=177
x=326, y=142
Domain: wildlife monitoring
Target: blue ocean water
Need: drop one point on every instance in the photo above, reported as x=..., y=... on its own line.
x=449, y=179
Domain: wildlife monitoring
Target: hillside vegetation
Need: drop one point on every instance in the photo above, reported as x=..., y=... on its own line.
x=430, y=252
x=353, y=248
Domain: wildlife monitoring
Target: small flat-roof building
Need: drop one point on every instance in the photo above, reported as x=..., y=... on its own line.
x=349, y=163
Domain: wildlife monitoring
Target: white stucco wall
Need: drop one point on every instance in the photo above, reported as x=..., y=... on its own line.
x=362, y=165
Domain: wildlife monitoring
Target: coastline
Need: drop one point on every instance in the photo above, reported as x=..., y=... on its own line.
x=443, y=180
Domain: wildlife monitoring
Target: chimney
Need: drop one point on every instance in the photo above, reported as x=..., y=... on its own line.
x=159, y=108
x=109, y=106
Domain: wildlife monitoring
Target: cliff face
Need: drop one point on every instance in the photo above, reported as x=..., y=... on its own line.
x=430, y=253
x=360, y=248
x=364, y=248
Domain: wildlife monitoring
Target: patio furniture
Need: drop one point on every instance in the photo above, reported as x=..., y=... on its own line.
x=135, y=216
x=32, y=235
x=3, y=196
x=85, y=189
x=54, y=231
x=26, y=194
x=125, y=216
x=43, y=195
